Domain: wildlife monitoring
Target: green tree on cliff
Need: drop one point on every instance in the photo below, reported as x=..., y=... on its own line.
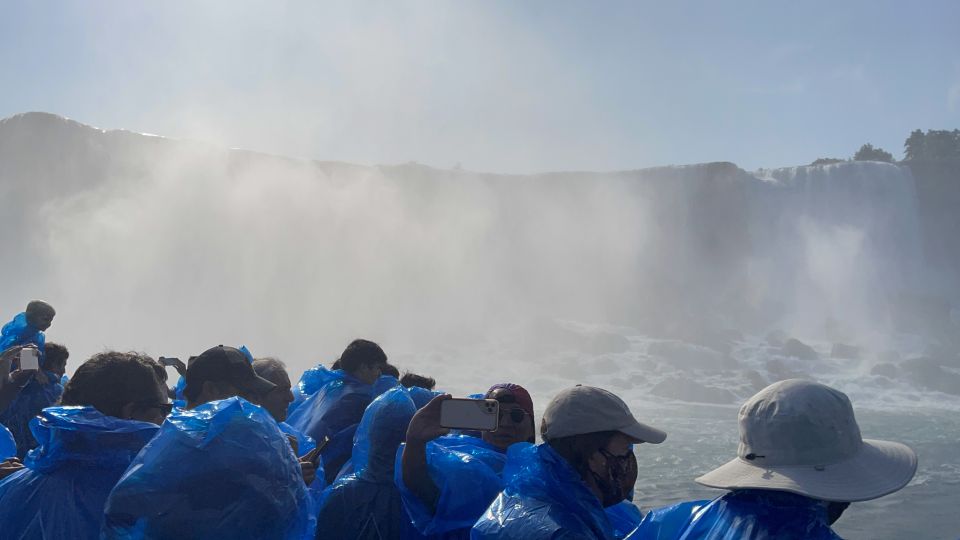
x=868, y=153
x=932, y=145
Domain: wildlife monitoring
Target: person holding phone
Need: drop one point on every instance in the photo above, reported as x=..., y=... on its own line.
x=448, y=480
x=110, y=409
x=26, y=388
x=561, y=488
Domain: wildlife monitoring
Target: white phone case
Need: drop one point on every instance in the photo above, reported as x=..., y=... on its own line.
x=29, y=359
x=470, y=414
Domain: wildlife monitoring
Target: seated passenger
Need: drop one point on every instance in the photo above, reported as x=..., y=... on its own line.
x=28, y=328
x=800, y=463
x=334, y=411
x=447, y=481
x=109, y=411
x=412, y=379
x=222, y=469
x=24, y=393
x=366, y=504
x=222, y=372
x=559, y=489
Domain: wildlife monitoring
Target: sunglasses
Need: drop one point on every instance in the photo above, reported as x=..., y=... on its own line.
x=516, y=415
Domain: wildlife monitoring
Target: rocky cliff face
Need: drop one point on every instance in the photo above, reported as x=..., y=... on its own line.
x=123, y=220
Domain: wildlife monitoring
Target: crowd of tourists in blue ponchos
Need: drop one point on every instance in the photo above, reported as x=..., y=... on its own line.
x=355, y=450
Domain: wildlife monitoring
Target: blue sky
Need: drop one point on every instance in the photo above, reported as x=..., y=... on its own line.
x=495, y=86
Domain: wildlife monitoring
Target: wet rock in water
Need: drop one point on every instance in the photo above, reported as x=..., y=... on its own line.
x=778, y=371
x=604, y=365
x=570, y=369
x=888, y=357
x=606, y=343
x=798, y=349
x=687, y=357
x=545, y=336
x=931, y=374
x=885, y=369
x=845, y=352
x=687, y=390
x=777, y=338
x=756, y=381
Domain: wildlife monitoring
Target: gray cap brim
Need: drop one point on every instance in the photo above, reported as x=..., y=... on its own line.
x=644, y=433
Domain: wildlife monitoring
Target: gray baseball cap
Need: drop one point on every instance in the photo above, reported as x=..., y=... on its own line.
x=586, y=409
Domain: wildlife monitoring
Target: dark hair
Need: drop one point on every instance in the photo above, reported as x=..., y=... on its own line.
x=390, y=369
x=412, y=379
x=55, y=354
x=361, y=352
x=39, y=306
x=269, y=368
x=336, y=364
x=109, y=380
x=577, y=449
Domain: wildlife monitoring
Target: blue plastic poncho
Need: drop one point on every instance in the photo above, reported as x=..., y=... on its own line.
x=221, y=470
x=384, y=383
x=422, y=396
x=366, y=504
x=179, y=388
x=466, y=470
x=749, y=514
x=33, y=398
x=20, y=332
x=310, y=383
x=544, y=498
x=62, y=490
x=667, y=522
x=8, y=446
x=624, y=518
x=305, y=443
x=333, y=411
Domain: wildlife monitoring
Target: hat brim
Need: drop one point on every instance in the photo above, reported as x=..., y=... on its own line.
x=878, y=469
x=257, y=385
x=644, y=433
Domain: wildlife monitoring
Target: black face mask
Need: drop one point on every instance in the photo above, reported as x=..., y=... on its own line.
x=611, y=484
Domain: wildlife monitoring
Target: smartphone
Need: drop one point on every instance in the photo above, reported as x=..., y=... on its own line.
x=164, y=361
x=29, y=359
x=470, y=414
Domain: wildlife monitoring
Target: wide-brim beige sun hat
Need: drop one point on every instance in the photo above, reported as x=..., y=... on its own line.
x=802, y=437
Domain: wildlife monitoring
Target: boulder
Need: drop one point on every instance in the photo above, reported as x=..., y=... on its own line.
x=756, y=381
x=885, y=369
x=687, y=390
x=888, y=357
x=604, y=365
x=777, y=338
x=930, y=374
x=798, y=349
x=845, y=352
x=687, y=357
x=778, y=371
x=606, y=343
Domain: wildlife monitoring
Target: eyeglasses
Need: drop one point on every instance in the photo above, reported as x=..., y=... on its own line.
x=622, y=464
x=516, y=415
x=165, y=408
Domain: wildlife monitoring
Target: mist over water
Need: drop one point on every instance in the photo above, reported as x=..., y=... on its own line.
x=682, y=284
